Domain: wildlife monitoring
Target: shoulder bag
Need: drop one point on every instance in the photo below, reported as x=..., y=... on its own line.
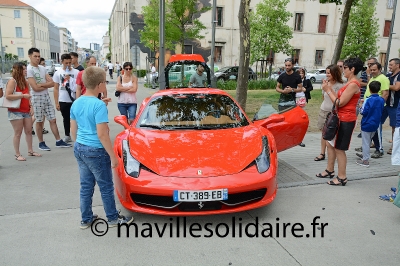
x=15, y=104
x=332, y=122
x=118, y=93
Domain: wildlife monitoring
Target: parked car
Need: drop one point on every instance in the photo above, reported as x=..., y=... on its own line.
x=57, y=67
x=231, y=73
x=275, y=74
x=317, y=75
x=194, y=151
x=50, y=67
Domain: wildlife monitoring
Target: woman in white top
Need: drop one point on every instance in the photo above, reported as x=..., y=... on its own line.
x=334, y=77
x=127, y=85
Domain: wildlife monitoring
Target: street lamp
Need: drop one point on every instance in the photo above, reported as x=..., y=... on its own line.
x=213, y=22
x=390, y=36
x=2, y=50
x=161, y=55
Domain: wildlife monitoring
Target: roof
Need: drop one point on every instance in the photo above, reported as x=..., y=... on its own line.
x=180, y=57
x=13, y=3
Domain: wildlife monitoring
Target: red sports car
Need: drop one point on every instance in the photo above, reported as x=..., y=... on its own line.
x=193, y=151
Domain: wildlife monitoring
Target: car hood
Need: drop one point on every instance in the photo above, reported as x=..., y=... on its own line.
x=196, y=153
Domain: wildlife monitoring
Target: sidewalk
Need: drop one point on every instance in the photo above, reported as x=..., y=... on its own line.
x=297, y=166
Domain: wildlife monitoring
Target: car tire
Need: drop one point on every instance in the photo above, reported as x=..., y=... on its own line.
x=313, y=80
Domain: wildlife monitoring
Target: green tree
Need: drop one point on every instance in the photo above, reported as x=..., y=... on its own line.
x=362, y=32
x=269, y=29
x=244, y=56
x=182, y=18
x=180, y=23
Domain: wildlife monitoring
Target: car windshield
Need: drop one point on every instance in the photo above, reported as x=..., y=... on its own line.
x=223, y=69
x=49, y=62
x=192, y=111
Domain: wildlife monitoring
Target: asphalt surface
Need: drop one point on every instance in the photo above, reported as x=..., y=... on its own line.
x=39, y=215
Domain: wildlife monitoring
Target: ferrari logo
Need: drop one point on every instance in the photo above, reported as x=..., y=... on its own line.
x=199, y=172
x=201, y=205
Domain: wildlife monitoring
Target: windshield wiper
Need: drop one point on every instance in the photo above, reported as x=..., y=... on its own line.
x=152, y=126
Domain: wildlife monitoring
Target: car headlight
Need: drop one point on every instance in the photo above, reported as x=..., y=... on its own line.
x=131, y=165
x=263, y=161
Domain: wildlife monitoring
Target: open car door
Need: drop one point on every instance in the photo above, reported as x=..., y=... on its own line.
x=288, y=125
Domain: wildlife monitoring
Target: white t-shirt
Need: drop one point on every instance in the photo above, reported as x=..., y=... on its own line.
x=39, y=74
x=118, y=66
x=58, y=77
x=153, y=70
x=110, y=66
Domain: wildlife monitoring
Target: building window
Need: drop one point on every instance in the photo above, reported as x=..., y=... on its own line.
x=298, y=22
x=218, y=15
x=17, y=14
x=20, y=52
x=318, y=57
x=188, y=49
x=382, y=59
x=218, y=54
x=296, y=56
x=18, y=32
x=390, y=4
x=322, y=23
x=386, y=29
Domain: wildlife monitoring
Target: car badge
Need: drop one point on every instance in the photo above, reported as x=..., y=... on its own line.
x=201, y=205
x=199, y=172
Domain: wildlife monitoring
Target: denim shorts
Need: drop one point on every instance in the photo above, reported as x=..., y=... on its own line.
x=391, y=113
x=17, y=115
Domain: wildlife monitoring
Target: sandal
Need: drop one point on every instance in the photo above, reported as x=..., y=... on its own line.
x=342, y=182
x=389, y=151
x=320, y=158
x=329, y=174
x=33, y=153
x=19, y=158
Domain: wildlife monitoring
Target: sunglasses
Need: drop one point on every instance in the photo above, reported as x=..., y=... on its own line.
x=128, y=68
x=289, y=60
x=345, y=67
x=340, y=66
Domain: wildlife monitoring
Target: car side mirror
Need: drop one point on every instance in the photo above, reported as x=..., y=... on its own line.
x=274, y=118
x=122, y=120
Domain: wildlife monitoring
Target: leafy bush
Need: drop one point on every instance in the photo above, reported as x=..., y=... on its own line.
x=141, y=73
x=262, y=84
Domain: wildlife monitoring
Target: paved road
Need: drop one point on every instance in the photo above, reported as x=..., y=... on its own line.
x=39, y=216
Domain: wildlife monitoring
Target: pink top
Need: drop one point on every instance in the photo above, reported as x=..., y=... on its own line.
x=127, y=97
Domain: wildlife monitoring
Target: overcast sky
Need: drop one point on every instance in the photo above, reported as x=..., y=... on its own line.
x=87, y=20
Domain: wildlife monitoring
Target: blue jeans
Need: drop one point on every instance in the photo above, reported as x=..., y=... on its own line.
x=128, y=110
x=95, y=166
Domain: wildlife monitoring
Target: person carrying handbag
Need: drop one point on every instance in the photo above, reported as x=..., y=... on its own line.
x=348, y=97
x=20, y=118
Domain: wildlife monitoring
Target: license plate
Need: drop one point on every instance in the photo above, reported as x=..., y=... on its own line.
x=200, y=195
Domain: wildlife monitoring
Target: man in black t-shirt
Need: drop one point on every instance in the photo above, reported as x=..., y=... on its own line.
x=74, y=61
x=288, y=84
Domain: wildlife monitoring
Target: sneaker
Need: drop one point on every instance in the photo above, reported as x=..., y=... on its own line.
x=359, y=136
x=44, y=131
x=302, y=144
x=359, y=155
x=389, y=197
x=362, y=163
x=86, y=225
x=33, y=132
x=377, y=154
x=62, y=144
x=67, y=139
x=393, y=189
x=358, y=149
x=121, y=220
x=43, y=147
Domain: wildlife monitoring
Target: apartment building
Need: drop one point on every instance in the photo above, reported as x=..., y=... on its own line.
x=54, y=38
x=315, y=29
x=105, y=47
x=23, y=27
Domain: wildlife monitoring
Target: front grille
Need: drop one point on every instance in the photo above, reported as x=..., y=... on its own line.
x=156, y=201
x=200, y=206
x=239, y=198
